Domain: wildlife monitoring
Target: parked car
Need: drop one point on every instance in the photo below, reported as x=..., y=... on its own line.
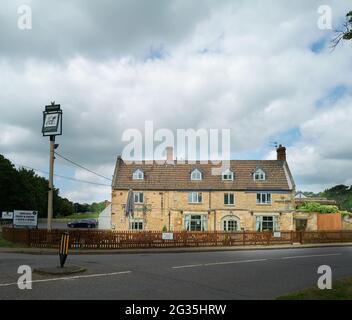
x=84, y=223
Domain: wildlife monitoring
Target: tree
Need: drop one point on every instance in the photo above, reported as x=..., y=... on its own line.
x=24, y=190
x=9, y=185
x=341, y=194
x=345, y=33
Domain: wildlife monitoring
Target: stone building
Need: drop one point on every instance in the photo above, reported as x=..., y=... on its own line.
x=251, y=195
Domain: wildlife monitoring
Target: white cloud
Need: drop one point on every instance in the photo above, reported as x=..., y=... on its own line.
x=244, y=66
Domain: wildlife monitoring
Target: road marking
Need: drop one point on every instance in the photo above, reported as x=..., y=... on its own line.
x=68, y=278
x=187, y=266
x=233, y=262
x=313, y=255
x=217, y=263
x=254, y=260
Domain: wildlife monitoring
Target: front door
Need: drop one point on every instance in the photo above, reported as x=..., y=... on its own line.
x=301, y=224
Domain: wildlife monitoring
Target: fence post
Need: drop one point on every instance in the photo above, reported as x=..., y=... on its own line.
x=244, y=238
x=291, y=237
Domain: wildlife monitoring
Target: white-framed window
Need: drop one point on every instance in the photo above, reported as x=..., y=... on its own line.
x=138, y=197
x=138, y=174
x=136, y=224
x=229, y=199
x=263, y=198
x=195, y=222
x=259, y=175
x=195, y=197
x=266, y=223
x=230, y=223
x=196, y=175
x=227, y=175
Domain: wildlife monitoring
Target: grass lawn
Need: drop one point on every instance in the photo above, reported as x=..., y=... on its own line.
x=77, y=216
x=341, y=290
x=6, y=244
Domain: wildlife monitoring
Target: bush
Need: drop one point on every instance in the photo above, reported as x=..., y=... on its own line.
x=317, y=207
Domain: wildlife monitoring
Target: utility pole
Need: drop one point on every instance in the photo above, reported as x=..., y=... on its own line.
x=51, y=183
x=52, y=127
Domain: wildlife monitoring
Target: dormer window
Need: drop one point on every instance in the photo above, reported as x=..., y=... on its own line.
x=259, y=175
x=196, y=175
x=227, y=175
x=138, y=174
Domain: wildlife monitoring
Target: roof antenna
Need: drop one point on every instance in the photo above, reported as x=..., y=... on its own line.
x=274, y=144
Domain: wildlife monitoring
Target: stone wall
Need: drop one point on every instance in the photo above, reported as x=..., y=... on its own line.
x=167, y=208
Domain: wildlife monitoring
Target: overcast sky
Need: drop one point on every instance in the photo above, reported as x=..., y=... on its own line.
x=261, y=68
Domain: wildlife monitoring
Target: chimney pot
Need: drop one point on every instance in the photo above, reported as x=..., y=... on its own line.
x=169, y=154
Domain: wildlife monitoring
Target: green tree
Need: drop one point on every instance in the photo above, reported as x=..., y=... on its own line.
x=24, y=190
x=341, y=194
x=344, y=33
x=9, y=185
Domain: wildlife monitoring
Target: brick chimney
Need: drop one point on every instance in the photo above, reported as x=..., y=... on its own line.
x=281, y=153
x=170, y=154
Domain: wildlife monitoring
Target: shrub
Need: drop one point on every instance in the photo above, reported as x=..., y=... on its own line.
x=316, y=207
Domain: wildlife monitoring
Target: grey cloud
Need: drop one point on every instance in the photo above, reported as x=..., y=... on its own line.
x=97, y=29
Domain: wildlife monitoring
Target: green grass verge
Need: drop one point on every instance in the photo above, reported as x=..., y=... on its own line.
x=6, y=244
x=78, y=216
x=341, y=290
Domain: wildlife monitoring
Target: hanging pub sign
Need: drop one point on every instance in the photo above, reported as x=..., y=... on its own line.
x=25, y=218
x=52, y=120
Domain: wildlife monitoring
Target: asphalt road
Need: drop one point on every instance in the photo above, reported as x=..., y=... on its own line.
x=42, y=224
x=259, y=274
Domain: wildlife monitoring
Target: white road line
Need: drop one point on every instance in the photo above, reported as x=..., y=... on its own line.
x=254, y=260
x=187, y=266
x=217, y=263
x=233, y=262
x=68, y=278
x=312, y=256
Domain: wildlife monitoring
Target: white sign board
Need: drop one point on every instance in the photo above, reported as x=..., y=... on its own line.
x=22, y=218
x=52, y=123
x=168, y=236
x=7, y=215
x=277, y=234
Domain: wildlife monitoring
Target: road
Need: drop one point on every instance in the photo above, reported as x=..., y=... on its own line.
x=258, y=274
x=42, y=224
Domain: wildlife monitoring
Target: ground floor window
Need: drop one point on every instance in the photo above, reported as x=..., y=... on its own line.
x=196, y=222
x=267, y=223
x=230, y=223
x=136, y=224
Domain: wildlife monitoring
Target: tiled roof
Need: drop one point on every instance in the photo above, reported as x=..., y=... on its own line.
x=177, y=176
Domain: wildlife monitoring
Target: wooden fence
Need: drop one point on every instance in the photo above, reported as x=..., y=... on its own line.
x=97, y=239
